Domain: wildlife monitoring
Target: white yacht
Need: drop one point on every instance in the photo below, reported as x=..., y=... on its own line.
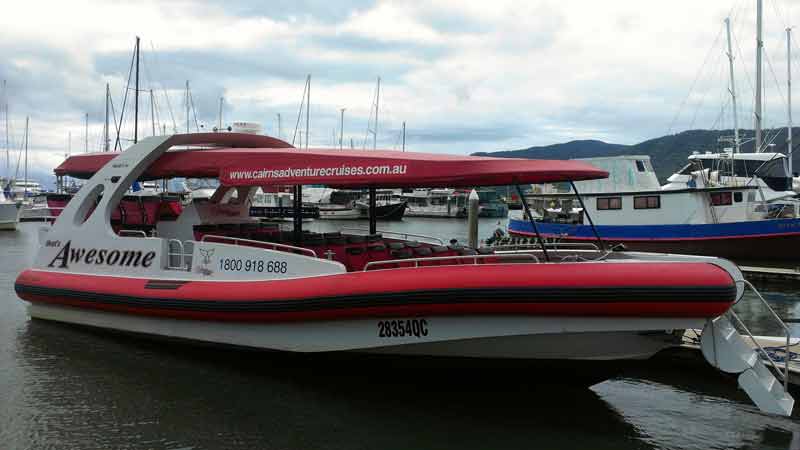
x=444, y=202
x=9, y=213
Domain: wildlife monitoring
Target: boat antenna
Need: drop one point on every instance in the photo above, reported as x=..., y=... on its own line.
x=732, y=90
x=279, y=125
x=759, y=47
x=789, y=95
x=136, y=98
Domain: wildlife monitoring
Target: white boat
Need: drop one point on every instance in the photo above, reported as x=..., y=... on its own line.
x=437, y=203
x=10, y=211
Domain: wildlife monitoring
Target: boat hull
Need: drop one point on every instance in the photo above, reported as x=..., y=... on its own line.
x=773, y=240
x=9, y=215
x=495, y=337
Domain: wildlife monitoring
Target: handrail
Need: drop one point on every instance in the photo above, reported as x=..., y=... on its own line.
x=554, y=245
x=474, y=258
x=397, y=233
x=275, y=246
x=133, y=232
x=785, y=374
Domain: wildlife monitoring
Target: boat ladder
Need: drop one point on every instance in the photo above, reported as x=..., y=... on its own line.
x=727, y=350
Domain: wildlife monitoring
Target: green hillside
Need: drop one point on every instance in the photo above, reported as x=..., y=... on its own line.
x=668, y=153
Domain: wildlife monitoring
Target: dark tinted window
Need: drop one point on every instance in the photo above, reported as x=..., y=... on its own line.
x=647, y=202
x=604, y=203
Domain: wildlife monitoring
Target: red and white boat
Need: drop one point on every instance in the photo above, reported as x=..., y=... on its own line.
x=211, y=273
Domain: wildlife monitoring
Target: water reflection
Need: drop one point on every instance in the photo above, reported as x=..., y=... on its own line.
x=102, y=391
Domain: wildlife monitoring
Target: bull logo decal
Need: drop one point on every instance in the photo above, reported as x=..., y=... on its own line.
x=206, y=254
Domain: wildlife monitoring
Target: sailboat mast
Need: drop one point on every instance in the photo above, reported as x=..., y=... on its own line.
x=732, y=90
x=341, y=129
x=404, y=135
x=308, y=108
x=187, y=106
x=759, y=48
x=219, y=121
x=377, y=106
x=27, y=122
x=136, y=98
x=86, y=134
x=106, y=141
x=8, y=147
x=789, y=95
x=152, y=112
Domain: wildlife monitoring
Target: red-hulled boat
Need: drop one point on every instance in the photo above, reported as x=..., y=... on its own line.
x=211, y=273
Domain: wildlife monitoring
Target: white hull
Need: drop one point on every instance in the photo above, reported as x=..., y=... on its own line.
x=9, y=215
x=340, y=213
x=513, y=337
x=432, y=212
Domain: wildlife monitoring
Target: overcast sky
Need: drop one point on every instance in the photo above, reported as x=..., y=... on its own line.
x=464, y=76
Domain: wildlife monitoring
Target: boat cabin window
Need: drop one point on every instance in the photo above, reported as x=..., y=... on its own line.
x=737, y=197
x=647, y=202
x=774, y=172
x=640, y=166
x=605, y=203
x=722, y=198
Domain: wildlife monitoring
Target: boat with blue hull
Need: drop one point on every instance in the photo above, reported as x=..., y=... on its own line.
x=775, y=239
x=730, y=205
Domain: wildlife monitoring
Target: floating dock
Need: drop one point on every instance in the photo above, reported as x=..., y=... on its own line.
x=770, y=273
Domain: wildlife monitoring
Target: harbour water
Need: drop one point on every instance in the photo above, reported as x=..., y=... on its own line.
x=66, y=387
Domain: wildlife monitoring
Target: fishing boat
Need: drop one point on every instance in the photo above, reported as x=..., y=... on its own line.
x=214, y=274
x=732, y=205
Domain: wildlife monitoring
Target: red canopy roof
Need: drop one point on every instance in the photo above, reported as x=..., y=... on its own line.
x=342, y=168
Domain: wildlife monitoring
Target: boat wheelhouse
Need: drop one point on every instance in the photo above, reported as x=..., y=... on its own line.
x=214, y=274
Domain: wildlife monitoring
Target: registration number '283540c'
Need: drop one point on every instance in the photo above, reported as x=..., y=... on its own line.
x=402, y=328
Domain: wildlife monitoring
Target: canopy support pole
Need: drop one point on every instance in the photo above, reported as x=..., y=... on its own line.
x=588, y=217
x=533, y=222
x=298, y=214
x=373, y=219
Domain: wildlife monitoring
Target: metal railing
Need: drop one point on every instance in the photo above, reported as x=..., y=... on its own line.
x=784, y=375
x=132, y=233
x=553, y=245
x=260, y=244
x=432, y=239
x=473, y=258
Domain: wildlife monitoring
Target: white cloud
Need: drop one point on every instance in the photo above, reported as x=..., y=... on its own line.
x=464, y=75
